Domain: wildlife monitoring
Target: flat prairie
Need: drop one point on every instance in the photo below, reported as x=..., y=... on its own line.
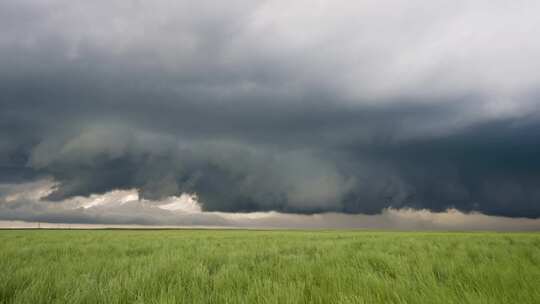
x=239, y=266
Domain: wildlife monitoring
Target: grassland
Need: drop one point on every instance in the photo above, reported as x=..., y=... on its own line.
x=211, y=266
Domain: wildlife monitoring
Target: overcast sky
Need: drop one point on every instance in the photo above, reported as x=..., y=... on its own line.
x=291, y=109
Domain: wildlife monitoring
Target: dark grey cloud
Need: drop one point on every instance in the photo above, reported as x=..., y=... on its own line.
x=261, y=106
x=21, y=207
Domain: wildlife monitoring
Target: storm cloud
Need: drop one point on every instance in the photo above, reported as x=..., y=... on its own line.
x=23, y=206
x=257, y=106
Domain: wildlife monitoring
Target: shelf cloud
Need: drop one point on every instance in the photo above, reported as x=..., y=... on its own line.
x=24, y=206
x=298, y=109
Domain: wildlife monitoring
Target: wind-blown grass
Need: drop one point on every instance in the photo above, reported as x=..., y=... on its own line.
x=211, y=266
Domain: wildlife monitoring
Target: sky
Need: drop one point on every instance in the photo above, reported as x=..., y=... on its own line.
x=349, y=114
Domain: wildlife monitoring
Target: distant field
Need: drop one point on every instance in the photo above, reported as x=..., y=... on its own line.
x=213, y=266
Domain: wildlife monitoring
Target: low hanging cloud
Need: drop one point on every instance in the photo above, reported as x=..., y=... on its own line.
x=261, y=106
x=23, y=206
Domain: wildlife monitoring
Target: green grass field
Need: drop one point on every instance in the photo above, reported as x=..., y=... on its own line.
x=215, y=266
